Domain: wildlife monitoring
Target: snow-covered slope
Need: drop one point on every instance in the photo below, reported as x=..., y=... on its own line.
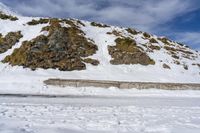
x=173, y=62
x=7, y=10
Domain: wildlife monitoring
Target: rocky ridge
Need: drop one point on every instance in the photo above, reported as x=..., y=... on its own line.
x=64, y=48
x=67, y=45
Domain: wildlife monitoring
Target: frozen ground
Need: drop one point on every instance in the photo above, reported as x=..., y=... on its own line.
x=86, y=114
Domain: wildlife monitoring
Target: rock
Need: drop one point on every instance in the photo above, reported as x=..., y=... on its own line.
x=185, y=67
x=127, y=52
x=175, y=56
x=132, y=31
x=146, y=35
x=177, y=62
x=63, y=49
x=165, y=40
x=40, y=21
x=7, y=17
x=166, y=66
x=116, y=33
x=91, y=61
x=153, y=47
x=152, y=40
x=9, y=40
x=99, y=25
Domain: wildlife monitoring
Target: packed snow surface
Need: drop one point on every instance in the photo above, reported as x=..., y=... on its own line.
x=100, y=115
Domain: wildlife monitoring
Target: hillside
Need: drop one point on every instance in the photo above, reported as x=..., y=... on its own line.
x=35, y=49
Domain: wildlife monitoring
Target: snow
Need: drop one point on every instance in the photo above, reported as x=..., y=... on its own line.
x=89, y=109
x=12, y=76
x=105, y=71
x=100, y=114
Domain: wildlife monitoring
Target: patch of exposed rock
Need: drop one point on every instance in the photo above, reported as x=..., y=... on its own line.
x=7, y=17
x=196, y=64
x=180, y=51
x=126, y=51
x=9, y=40
x=63, y=49
x=99, y=25
x=166, y=66
x=132, y=31
x=40, y=21
x=153, y=47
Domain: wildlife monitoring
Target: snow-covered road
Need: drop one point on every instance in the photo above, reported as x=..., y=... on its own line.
x=100, y=114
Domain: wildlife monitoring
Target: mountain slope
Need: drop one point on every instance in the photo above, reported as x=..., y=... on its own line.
x=35, y=49
x=7, y=10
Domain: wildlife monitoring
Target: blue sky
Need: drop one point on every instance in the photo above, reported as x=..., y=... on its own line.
x=177, y=19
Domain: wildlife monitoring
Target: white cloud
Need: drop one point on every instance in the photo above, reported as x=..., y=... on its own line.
x=143, y=14
x=189, y=38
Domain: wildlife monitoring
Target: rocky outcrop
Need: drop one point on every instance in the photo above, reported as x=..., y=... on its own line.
x=146, y=35
x=177, y=52
x=7, y=17
x=166, y=66
x=153, y=47
x=63, y=49
x=63, y=45
x=91, y=61
x=132, y=31
x=40, y=21
x=196, y=64
x=127, y=52
x=99, y=25
x=152, y=40
x=9, y=40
